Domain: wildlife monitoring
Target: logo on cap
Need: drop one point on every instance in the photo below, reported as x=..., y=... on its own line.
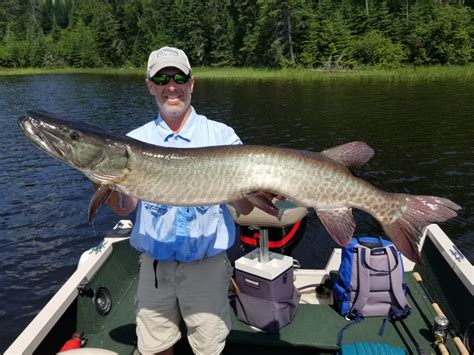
x=167, y=51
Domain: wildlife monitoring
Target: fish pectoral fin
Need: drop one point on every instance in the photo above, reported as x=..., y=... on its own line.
x=264, y=202
x=351, y=155
x=339, y=223
x=100, y=196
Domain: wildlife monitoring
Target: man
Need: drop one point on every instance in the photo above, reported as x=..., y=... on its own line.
x=184, y=270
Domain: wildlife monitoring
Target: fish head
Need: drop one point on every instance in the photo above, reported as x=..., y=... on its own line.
x=85, y=147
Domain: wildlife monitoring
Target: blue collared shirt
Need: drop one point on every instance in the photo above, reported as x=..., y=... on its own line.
x=183, y=234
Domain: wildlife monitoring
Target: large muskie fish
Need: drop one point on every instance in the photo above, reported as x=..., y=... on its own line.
x=214, y=175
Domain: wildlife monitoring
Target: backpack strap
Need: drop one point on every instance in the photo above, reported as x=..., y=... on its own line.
x=396, y=285
x=363, y=280
x=393, y=259
x=356, y=320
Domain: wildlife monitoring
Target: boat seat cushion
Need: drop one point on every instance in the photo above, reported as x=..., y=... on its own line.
x=89, y=351
x=290, y=214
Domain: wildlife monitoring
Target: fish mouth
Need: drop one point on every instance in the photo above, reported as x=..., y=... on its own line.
x=43, y=136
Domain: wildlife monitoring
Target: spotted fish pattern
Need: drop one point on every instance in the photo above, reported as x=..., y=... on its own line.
x=216, y=175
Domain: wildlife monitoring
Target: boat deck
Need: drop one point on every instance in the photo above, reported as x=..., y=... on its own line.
x=314, y=329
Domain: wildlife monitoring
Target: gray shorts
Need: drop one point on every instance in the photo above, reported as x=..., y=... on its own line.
x=195, y=291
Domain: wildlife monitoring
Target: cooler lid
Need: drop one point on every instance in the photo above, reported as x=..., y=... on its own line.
x=274, y=267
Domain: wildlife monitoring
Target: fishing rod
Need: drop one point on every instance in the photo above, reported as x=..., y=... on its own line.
x=443, y=320
x=419, y=349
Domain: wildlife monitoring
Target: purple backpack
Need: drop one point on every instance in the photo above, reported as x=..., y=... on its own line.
x=370, y=281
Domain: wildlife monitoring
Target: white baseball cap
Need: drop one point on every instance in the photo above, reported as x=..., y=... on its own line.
x=167, y=57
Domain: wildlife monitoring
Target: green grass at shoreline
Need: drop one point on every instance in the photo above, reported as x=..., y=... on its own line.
x=434, y=73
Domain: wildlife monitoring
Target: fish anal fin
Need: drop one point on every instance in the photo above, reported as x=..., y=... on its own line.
x=100, y=196
x=339, y=223
x=351, y=155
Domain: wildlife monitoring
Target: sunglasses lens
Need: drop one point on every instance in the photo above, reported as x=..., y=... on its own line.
x=180, y=78
x=161, y=79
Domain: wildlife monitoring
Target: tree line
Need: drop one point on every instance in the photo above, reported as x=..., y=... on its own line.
x=243, y=33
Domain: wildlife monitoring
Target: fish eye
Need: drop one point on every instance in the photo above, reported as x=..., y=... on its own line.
x=74, y=135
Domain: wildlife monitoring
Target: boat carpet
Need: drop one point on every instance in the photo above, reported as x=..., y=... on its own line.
x=314, y=328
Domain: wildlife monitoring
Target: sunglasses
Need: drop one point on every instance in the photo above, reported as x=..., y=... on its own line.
x=163, y=79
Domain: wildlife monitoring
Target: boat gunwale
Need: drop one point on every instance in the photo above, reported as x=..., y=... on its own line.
x=455, y=259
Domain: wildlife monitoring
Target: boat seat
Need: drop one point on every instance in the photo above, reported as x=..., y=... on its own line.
x=289, y=214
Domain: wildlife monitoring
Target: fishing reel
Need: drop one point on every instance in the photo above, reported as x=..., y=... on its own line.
x=440, y=328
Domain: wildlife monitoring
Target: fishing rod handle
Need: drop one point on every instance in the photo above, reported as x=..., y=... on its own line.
x=460, y=345
x=417, y=277
x=462, y=350
x=438, y=310
x=435, y=306
x=457, y=340
x=443, y=350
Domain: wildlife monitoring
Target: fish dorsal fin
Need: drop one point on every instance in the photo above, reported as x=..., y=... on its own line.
x=351, y=155
x=339, y=222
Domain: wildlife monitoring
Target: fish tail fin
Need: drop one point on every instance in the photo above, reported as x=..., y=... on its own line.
x=417, y=212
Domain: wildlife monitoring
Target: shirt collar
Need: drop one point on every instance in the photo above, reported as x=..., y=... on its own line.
x=186, y=133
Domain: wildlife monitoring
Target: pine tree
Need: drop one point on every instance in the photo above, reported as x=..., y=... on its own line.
x=220, y=32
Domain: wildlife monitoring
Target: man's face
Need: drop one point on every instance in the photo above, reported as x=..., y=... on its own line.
x=173, y=99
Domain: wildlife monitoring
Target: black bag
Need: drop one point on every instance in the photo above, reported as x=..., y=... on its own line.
x=269, y=316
